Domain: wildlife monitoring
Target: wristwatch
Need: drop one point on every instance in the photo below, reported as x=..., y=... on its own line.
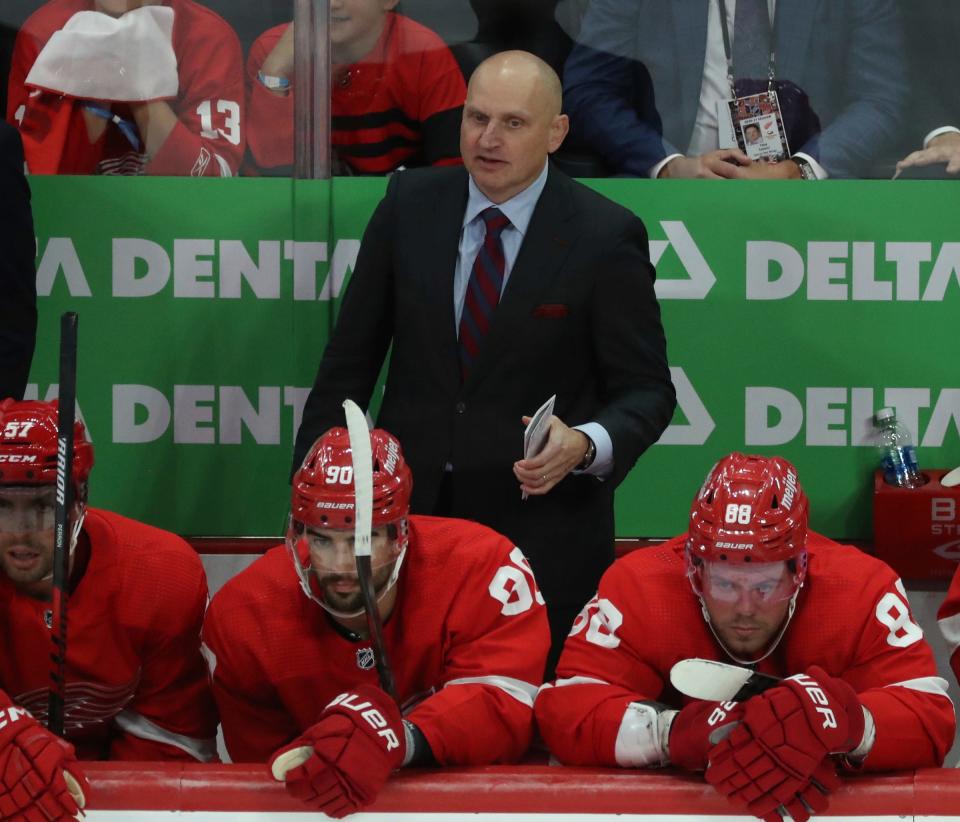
x=588, y=457
x=806, y=170
x=273, y=83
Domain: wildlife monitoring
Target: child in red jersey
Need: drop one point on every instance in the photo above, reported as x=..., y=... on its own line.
x=396, y=99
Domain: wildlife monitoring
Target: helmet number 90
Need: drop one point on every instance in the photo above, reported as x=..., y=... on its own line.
x=738, y=513
x=339, y=474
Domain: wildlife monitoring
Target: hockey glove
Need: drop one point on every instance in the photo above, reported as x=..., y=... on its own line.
x=779, y=755
x=807, y=718
x=340, y=764
x=755, y=784
x=40, y=779
x=697, y=728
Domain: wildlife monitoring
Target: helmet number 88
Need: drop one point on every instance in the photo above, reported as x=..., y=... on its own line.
x=738, y=513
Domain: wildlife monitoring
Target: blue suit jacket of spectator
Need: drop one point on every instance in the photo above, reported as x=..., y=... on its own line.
x=632, y=83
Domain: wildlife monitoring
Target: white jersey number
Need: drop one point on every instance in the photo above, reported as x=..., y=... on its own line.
x=894, y=613
x=511, y=587
x=231, y=121
x=603, y=619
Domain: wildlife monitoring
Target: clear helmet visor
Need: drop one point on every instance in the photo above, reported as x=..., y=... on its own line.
x=326, y=564
x=27, y=523
x=764, y=583
x=27, y=509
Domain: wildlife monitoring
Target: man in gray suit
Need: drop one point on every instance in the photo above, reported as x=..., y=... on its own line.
x=643, y=83
x=498, y=286
x=18, y=279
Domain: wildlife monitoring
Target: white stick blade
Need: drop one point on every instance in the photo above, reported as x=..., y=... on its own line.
x=362, y=458
x=708, y=679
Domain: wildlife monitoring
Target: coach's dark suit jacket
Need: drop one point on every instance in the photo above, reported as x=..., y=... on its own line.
x=578, y=318
x=18, y=281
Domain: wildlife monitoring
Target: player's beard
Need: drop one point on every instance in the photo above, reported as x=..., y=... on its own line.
x=351, y=598
x=27, y=558
x=755, y=635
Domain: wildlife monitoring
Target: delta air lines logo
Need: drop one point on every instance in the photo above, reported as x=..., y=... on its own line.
x=699, y=276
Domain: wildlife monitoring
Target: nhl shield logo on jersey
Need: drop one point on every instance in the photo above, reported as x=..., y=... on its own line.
x=365, y=659
x=48, y=618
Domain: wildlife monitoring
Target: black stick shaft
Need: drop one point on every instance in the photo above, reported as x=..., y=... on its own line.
x=375, y=626
x=62, y=530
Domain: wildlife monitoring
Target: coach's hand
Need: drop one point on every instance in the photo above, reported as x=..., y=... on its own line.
x=40, y=779
x=563, y=451
x=697, y=728
x=340, y=764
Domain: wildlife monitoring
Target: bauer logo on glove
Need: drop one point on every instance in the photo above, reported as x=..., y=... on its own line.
x=372, y=716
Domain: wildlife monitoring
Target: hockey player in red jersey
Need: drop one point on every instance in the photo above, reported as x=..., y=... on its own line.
x=396, y=100
x=128, y=87
x=748, y=584
x=465, y=631
x=949, y=618
x=136, y=684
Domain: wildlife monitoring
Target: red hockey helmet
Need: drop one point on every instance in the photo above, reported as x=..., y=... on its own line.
x=324, y=498
x=323, y=494
x=749, y=509
x=28, y=445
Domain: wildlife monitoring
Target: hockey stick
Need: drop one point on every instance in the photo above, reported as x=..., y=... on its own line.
x=62, y=530
x=362, y=458
x=718, y=681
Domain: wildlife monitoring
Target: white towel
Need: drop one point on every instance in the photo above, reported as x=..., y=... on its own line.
x=123, y=59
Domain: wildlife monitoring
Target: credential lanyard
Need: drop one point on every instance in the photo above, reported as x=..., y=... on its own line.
x=128, y=129
x=728, y=51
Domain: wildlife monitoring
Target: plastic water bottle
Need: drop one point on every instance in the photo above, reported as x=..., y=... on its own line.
x=898, y=457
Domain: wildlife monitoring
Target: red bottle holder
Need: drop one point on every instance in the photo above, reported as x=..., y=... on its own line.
x=917, y=530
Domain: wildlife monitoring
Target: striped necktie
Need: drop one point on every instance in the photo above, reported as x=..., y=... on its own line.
x=483, y=290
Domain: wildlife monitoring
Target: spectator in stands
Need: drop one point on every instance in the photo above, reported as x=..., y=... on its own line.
x=527, y=25
x=128, y=87
x=932, y=30
x=949, y=618
x=749, y=584
x=647, y=83
x=940, y=148
x=397, y=93
x=136, y=684
x=18, y=281
x=292, y=654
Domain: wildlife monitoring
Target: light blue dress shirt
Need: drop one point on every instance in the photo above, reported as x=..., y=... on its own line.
x=518, y=209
